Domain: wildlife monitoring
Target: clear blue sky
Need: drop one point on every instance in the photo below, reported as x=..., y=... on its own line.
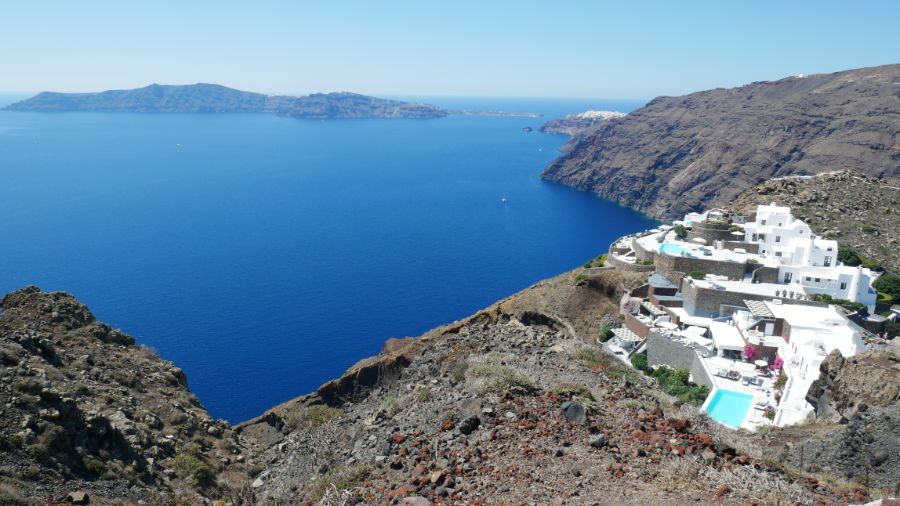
x=622, y=49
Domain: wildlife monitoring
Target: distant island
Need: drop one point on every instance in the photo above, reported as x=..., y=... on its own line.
x=214, y=98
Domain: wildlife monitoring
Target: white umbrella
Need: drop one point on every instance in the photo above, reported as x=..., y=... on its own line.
x=761, y=363
x=737, y=233
x=700, y=240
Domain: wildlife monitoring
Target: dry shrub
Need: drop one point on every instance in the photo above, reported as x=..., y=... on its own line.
x=492, y=373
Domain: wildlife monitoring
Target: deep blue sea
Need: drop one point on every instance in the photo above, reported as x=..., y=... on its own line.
x=265, y=255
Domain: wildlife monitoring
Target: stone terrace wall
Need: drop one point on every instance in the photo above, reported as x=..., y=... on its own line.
x=669, y=263
x=706, y=301
x=662, y=350
x=621, y=264
x=709, y=232
x=766, y=275
x=642, y=253
x=749, y=247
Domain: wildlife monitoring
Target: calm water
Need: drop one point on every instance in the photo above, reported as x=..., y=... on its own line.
x=265, y=255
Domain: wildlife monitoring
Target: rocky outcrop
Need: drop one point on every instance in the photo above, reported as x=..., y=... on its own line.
x=858, y=211
x=213, y=98
x=847, y=386
x=701, y=150
x=84, y=410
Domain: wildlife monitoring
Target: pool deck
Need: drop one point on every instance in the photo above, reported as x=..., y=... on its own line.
x=763, y=393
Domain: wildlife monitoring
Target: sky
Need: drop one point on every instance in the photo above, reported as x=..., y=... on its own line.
x=592, y=49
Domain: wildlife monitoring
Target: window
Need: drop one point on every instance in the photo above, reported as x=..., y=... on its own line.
x=779, y=224
x=828, y=261
x=787, y=277
x=801, y=231
x=778, y=253
x=763, y=222
x=843, y=285
x=808, y=278
x=777, y=238
x=818, y=280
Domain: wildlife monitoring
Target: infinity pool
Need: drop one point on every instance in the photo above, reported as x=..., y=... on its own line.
x=671, y=249
x=729, y=407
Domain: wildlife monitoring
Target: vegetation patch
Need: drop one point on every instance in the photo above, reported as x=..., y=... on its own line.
x=340, y=479
x=606, y=332
x=697, y=274
x=491, y=373
x=676, y=383
x=192, y=468
x=599, y=261
x=319, y=414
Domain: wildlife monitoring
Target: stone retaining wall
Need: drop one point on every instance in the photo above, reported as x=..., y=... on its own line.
x=670, y=263
x=627, y=266
x=709, y=232
x=706, y=301
x=766, y=275
x=641, y=253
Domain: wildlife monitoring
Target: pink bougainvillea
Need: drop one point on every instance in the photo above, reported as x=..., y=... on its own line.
x=776, y=365
x=750, y=352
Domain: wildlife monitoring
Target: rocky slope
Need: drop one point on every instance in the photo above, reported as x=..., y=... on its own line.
x=679, y=154
x=84, y=411
x=859, y=211
x=213, y=98
x=513, y=405
x=857, y=402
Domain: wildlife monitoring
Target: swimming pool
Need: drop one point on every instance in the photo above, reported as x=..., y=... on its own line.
x=729, y=407
x=671, y=249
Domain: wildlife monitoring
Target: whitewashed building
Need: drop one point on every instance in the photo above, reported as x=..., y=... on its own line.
x=804, y=261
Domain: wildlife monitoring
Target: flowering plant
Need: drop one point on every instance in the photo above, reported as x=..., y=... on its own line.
x=750, y=352
x=777, y=364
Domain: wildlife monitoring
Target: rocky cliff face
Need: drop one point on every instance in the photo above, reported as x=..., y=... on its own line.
x=855, y=437
x=85, y=411
x=213, y=98
x=679, y=154
x=859, y=211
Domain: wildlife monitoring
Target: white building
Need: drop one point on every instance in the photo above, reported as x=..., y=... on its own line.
x=806, y=262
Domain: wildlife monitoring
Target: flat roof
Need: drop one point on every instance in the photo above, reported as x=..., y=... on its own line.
x=726, y=336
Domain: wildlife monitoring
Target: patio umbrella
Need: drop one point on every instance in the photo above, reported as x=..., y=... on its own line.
x=761, y=363
x=700, y=240
x=737, y=233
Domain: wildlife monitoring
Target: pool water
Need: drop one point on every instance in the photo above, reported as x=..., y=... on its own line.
x=671, y=249
x=729, y=407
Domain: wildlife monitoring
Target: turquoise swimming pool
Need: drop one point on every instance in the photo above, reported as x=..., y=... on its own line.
x=729, y=407
x=670, y=248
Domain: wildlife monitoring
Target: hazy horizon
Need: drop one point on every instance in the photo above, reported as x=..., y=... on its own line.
x=497, y=49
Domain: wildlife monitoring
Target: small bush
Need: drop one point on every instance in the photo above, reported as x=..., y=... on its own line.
x=599, y=261
x=681, y=231
x=592, y=357
x=580, y=278
x=390, y=405
x=606, y=332
x=340, y=479
x=675, y=382
x=847, y=256
x=490, y=373
x=320, y=414
x=423, y=393
x=192, y=468
x=639, y=361
x=888, y=284
x=868, y=229
x=571, y=390
x=94, y=466
x=696, y=274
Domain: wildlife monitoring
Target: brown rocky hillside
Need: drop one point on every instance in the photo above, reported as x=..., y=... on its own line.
x=859, y=211
x=686, y=153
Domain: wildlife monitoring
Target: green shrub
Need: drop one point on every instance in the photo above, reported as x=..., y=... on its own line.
x=848, y=256
x=735, y=228
x=828, y=299
x=492, y=377
x=599, y=261
x=94, y=466
x=639, y=361
x=581, y=277
x=571, y=390
x=340, y=479
x=191, y=467
x=697, y=274
x=888, y=284
x=676, y=383
x=606, y=332
x=868, y=229
x=681, y=231
x=423, y=393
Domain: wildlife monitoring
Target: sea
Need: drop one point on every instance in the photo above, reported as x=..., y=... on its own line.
x=265, y=255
